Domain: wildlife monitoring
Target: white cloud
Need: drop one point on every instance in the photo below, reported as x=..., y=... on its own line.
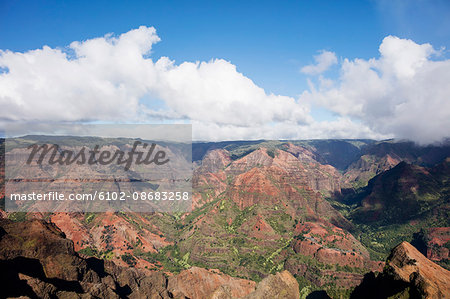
x=106, y=78
x=403, y=92
x=341, y=128
x=323, y=61
x=215, y=92
x=103, y=80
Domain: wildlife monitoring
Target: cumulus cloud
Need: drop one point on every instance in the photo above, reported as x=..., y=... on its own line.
x=101, y=78
x=114, y=78
x=106, y=79
x=404, y=92
x=323, y=61
x=216, y=92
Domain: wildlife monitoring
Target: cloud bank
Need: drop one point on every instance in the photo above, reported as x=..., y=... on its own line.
x=404, y=92
x=114, y=78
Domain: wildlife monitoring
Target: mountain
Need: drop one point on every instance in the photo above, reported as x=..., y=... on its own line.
x=398, y=203
x=36, y=260
x=381, y=156
x=407, y=274
x=325, y=211
x=401, y=194
x=264, y=212
x=339, y=153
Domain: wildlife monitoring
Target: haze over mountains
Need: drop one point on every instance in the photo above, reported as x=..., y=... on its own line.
x=327, y=211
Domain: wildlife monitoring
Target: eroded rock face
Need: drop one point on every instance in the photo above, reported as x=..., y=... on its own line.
x=279, y=286
x=201, y=283
x=109, y=232
x=369, y=165
x=282, y=285
x=407, y=273
x=407, y=264
x=437, y=243
x=284, y=180
x=297, y=163
x=286, y=188
x=264, y=195
x=37, y=261
x=209, y=178
x=332, y=245
x=214, y=161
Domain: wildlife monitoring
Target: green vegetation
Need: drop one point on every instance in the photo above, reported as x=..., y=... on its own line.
x=168, y=258
x=89, y=217
x=258, y=240
x=129, y=259
x=89, y=251
x=17, y=216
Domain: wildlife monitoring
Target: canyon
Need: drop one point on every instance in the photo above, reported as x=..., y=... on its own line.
x=312, y=216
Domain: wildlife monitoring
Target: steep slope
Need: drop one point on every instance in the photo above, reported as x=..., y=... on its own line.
x=434, y=243
x=399, y=203
x=360, y=172
x=270, y=204
x=259, y=208
x=36, y=260
x=408, y=274
x=209, y=179
x=398, y=195
x=112, y=236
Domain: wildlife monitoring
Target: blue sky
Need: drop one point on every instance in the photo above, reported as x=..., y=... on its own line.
x=268, y=41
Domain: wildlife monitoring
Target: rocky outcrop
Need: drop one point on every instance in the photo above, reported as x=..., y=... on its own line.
x=280, y=286
x=407, y=264
x=112, y=233
x=37, y=261
x=407, y=273
x=201, y=283
x=332, y=245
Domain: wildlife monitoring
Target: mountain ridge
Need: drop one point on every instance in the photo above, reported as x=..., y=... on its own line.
x=261, y=207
